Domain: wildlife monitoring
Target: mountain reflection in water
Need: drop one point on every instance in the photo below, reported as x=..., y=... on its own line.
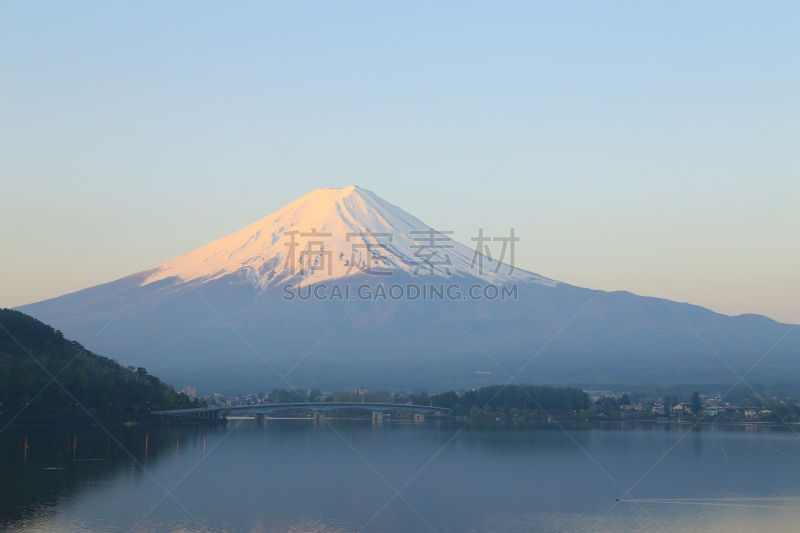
x=290, y=475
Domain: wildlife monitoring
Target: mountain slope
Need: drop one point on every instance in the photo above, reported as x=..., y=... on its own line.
x=96, y=381
x=351, y=222
x=241, y=312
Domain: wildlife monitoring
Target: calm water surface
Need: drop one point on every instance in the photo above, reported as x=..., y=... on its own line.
x=343, y=476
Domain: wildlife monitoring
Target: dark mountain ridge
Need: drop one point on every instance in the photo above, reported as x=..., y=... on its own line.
x=95, y=381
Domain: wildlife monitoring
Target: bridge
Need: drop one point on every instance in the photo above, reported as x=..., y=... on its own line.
x=319, y=410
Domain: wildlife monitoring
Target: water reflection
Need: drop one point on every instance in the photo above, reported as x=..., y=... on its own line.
x=290, y=475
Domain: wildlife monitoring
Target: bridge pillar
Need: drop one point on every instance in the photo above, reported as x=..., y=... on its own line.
x=419, y=417
x=319, y=417
x=377, y=416
x=259, y=418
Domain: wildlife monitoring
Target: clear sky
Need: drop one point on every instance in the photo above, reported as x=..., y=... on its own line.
x=643, y=146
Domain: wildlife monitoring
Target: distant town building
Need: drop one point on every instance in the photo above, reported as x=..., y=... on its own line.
x=595, y=395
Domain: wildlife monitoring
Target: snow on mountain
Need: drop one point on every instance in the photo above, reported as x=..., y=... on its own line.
x=194, y=319
x=334, y=233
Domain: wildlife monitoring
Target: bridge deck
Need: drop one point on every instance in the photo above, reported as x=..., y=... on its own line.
x=264, y=408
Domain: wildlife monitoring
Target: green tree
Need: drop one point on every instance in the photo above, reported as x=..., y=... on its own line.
x=96, y=381
x=697, y=406
x=447, y=399
x=625, y=399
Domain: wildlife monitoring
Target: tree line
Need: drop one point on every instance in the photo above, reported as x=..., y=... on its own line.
x=495, y=399
x=31, y=352
x=512, y=399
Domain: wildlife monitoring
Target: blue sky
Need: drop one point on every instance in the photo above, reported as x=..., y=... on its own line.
x=649, y=147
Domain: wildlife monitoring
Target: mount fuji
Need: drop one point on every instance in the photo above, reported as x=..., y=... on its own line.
x=341, y=288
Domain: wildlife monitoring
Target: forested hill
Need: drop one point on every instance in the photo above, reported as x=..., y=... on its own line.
x=511, y=399
x=97, y=382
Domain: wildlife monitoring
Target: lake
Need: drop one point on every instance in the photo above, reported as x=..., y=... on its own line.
x=452, y=476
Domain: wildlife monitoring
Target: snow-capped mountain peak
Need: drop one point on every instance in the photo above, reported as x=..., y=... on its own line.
x=334, y=233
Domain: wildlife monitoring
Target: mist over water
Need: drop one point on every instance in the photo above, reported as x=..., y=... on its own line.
x=290, y=475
